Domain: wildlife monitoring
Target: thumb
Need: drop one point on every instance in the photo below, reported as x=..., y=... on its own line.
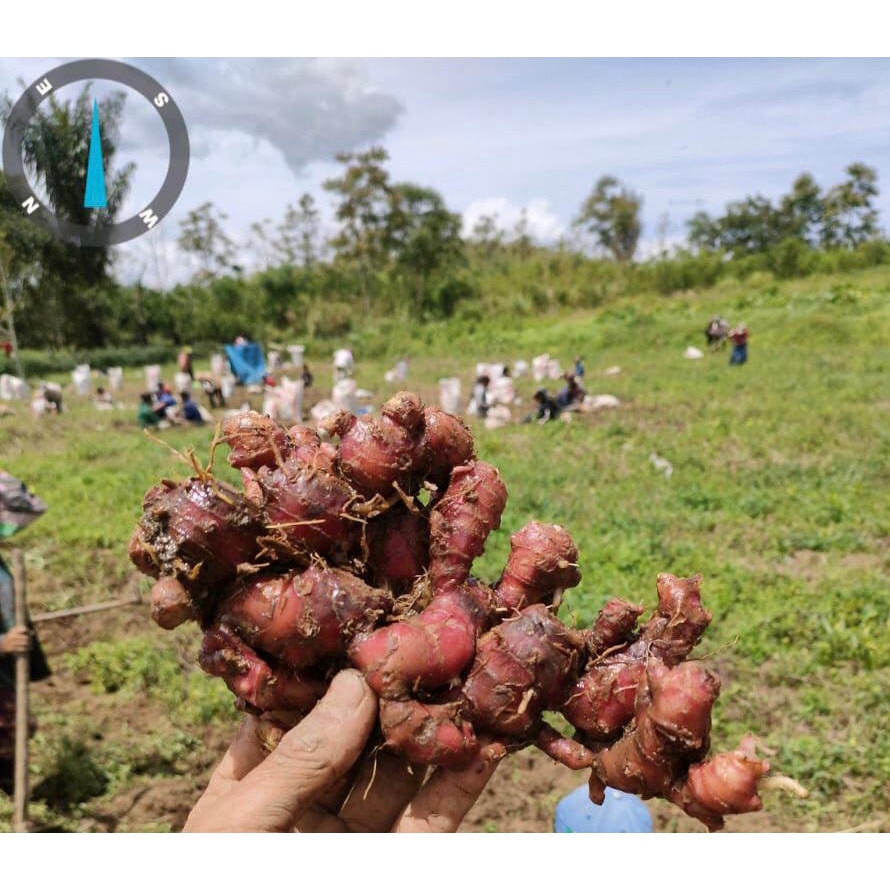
x=309, y=759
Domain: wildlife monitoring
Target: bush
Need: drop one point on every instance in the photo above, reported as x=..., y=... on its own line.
x=450, y=294
x=791, y=258
x=39, y=363
x=330, y=319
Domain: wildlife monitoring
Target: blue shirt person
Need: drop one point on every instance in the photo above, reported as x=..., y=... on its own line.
x=190, y=410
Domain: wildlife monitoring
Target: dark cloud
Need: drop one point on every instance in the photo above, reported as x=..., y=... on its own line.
x=309, y=109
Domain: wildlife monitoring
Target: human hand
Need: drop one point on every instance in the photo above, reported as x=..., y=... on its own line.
x=17, y=641
x=315, y=781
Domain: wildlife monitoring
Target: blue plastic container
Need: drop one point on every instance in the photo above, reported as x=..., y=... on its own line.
x=620, y=813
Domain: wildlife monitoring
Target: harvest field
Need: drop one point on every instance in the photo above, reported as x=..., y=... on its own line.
x=778, y=498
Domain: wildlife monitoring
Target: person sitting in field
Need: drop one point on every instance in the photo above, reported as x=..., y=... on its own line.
x=545, y=408
x=103, y=399
x=51, y=393
x=146, y=415
x=739, y=337
x=190, y=411
x=165, y=403
x=481, y=400
x=571, y=394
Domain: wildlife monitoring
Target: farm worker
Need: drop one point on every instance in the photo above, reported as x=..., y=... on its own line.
x=164, y=402
x=190, y=410
x=18, y=508
x=739, y=337
x=103, y=399
x=571, y=393
x=481, y=396
x=184, y=361
x=297, y=785
x=145, y=413
x=579, y=367
x=212, y=387
x=546, y=409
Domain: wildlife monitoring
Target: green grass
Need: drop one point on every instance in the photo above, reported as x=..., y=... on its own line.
x=778, y=497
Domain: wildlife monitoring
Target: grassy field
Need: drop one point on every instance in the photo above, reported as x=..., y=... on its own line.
x=779, y=497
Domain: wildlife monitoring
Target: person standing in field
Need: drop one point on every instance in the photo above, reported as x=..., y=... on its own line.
x=579, y=367
x=184, y=362
x=18, y=508
x=739, y=337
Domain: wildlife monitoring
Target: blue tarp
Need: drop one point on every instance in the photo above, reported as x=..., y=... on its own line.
x=247, y=363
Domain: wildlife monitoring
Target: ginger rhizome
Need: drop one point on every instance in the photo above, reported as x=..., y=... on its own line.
x=354, y=545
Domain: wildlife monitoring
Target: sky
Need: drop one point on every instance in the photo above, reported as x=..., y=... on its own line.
x=497, y=135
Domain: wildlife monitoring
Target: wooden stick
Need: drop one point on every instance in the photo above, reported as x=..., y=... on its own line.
x=22, y=668
x=134, y=600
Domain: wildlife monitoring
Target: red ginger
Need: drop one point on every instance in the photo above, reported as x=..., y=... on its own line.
x=304, y=617
x=428, y=650
x=461, y=521
x=543, y=561
x=267, y=688
x=377, y=454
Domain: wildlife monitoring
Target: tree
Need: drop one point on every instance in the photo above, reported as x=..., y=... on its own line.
x=7, y=314
x=70, y=289
x=298, y=233
x=844, y=216
x=202, y=235
x=703, y=231
x=802, y=210
x=850, y=217
x=751, y=225
x=488, y=234
x=422, y=235
x=363, y=208
x=522, y=240
x=611, y=213
x=260, y=243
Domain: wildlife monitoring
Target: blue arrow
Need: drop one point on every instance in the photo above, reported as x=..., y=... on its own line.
x=94, y=195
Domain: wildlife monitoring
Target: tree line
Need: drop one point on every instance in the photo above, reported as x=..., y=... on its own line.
x=397, y=251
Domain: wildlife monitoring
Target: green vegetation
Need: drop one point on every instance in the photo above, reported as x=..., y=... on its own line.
x=396, y=256
x=778, y=497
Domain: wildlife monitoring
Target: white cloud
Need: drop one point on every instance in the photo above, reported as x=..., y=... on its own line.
x=543, y=224
x=309, y=109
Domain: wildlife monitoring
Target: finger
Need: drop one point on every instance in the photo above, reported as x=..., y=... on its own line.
x=384, y=787
x=319, y=820
x=244, y=754
x=448, y=796
x=322, y=815
x=311, y=758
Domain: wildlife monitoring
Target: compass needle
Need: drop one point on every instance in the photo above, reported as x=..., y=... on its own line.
x=94, y=194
